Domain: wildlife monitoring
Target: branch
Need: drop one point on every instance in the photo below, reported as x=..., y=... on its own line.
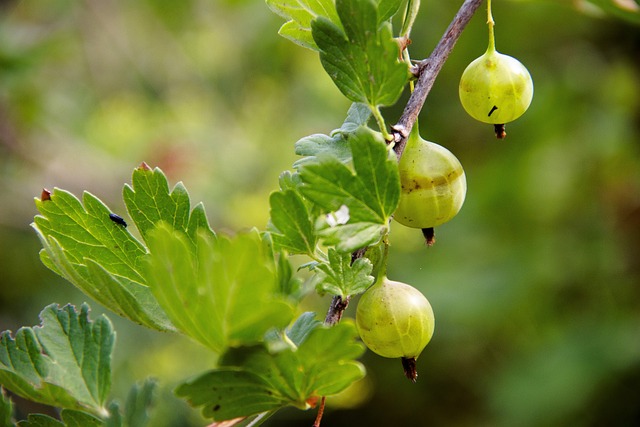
x=427, y=71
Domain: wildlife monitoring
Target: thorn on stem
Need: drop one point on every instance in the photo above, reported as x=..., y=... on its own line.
x=429, y=236
x=409, y=366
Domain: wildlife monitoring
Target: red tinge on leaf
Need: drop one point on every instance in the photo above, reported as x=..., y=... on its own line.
x=46, y=195
x=144, y=166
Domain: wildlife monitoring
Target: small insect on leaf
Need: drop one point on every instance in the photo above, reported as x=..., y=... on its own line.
x=117, y=219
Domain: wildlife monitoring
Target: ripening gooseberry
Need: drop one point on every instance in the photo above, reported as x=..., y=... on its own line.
x=433, y=184
x=495, y=88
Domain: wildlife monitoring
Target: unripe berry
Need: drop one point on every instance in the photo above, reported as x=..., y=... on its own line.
x=496, y=88
x=394, y=319
x=433, y=184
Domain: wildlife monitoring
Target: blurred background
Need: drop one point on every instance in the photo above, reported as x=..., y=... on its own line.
x=535, y=284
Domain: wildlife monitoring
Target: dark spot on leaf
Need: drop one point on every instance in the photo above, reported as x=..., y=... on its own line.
x=216, y=408
x=117, y=219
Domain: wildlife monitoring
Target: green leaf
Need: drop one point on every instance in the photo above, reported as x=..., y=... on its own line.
x=260, y=381
x=289, y=284
x=336, y=144
x=370, y=193
x=299, y=14
x=137, y=406
x=387, y=9
x=149, y=201
x=65, y=362
x=302, y=327
x=39, y=420
x=343, y=278
x=362, y=59
x=350, y=237
x=100, y=257
x=222, y=292
x=69, y=418
x=292, y=228
x=6, y=410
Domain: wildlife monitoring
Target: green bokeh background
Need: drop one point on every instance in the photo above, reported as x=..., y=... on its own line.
x=535, y=284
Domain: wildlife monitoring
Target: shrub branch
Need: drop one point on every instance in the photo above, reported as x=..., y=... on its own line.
x=427, y=71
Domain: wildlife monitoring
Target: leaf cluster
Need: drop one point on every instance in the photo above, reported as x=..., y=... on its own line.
x=66, y=362
x=341, y=197
x=233, y=294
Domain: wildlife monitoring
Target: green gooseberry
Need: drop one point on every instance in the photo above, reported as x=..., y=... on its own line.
x=496, y=88
x=395, y=320
x=433, y=184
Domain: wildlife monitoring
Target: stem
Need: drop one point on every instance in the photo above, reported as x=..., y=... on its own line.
x=337, y=307
x=381, y=124
x=428, y=71
x=320, y=413
x=413, y=6
x=491, y=23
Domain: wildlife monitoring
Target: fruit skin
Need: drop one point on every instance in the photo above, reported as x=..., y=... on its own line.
x=496, y=88
x=433, y=183
x=394, y=319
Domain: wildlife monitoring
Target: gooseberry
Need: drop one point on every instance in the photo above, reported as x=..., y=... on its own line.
x=433, y=184
x=395, y=320
x=495, y=88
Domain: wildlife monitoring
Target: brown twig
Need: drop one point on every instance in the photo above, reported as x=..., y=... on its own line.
x=427, y=72
x=320, y=412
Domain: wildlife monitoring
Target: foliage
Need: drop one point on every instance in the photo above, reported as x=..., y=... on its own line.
x=322, y=221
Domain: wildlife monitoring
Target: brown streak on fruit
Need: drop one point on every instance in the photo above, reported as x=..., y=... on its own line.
x=431, y=182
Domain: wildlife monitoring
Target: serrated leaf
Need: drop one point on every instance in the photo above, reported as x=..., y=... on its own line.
x=343, y=278
x=222, y=292
x=69, y=418
x=299, y=14
x=371, y=192
x=362, y=59
x=149, y=201
x=322, y=365
x=336, y=144
x=40, y=420
x=136, y=408
x=98, y=256
x=292, y=227
x=65, y=362
x=6, y=410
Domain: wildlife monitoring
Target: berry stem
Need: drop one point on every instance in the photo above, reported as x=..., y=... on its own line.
x=491, y=23
x=427, y=71
x=381, y=124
